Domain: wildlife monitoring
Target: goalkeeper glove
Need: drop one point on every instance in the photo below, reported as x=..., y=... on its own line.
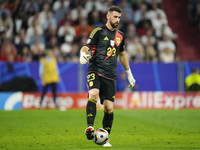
x=130, y=78
x=84, y=58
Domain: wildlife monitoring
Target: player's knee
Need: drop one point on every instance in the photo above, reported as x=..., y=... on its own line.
x=94, y=94
x=108, y=108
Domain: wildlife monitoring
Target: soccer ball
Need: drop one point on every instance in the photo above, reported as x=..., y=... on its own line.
x=101, y=136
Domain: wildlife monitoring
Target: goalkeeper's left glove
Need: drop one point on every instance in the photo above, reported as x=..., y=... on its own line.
x=130, y=78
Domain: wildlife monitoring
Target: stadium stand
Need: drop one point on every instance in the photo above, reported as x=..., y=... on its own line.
x=29, y=27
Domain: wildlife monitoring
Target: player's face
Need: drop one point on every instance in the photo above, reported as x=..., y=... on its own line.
x=114, y=18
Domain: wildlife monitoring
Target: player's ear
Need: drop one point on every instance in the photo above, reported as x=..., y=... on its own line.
x=107, y=16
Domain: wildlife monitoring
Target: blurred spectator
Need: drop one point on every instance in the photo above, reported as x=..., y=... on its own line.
x=139, y=54
x=154, y=10
x=143, y=25
x=26, y=55
x=51, y=33
x=149, y=37
x=33, y=5
x=138, y=13
x=61, y=10
x=20, y=42
x=83, y=27
x=60, y=3
x=135, y=50
x=158, y=24
x=49, y=21
x=65, y=30
x=78, y=10
x=57, y=54
x=6, y=24
x=106, y=4
x=127, y=11
x=150, y=2
x=2, y=37
x=95, y=19
x=53, y=42
x=166, y=30
x=131, y=31
x=36, y=36
x=67, y=18
x=3, y=9
x=36, y=19
x=30, y=12
x=45, y=10
x=38, y=50
x=93, y=5
x=67, y=46
x=20, y=18
x=167, y=50
x=150, y=54
x=33, y=29
x=73, y=55
x=192, y=81
x=8, y=51
x=136, y=4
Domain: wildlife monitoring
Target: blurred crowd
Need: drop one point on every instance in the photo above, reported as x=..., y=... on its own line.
x=194, y=13
x=28, y=28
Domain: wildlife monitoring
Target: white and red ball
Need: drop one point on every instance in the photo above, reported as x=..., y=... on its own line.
x=101, y=136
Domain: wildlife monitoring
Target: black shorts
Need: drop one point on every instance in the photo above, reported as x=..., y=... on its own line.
x=107, y=87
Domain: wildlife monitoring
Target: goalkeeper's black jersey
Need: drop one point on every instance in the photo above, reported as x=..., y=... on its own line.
x=105, y=46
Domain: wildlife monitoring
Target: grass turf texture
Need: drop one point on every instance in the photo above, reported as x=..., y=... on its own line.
x=132, y=130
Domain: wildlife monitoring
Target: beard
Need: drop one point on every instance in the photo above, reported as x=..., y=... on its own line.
x=114, y=25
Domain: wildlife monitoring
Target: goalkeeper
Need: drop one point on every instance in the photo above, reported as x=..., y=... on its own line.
x=102, y=49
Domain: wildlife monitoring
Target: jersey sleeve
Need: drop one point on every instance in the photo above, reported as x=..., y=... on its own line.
x=93, y=38
x=122, y=46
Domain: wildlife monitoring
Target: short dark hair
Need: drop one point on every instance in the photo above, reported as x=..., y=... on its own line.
x=114, y=8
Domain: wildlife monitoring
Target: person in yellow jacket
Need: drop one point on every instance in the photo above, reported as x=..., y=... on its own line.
x=49, y=74
x=192, y=81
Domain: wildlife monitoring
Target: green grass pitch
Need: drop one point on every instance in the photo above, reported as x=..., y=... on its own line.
x=132, y=130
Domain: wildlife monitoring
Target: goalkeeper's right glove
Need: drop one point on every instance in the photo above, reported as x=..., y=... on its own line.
x=84, y=58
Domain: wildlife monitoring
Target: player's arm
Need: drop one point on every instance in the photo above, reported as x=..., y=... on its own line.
x=91, y=41
x=83, y=55
x=125, y=63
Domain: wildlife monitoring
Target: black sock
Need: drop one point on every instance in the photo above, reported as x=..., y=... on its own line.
x=107, y=121
x=91, y=111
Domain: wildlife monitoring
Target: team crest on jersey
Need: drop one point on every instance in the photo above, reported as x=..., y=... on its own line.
x=112, y=42
x=91, y=83
x=118, y=40
x=88, y=41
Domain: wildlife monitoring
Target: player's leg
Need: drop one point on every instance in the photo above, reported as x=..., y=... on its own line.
x=44, y=90
x=108, y=118
x=107, y=96
x=53, y=86
x=108, y=115
x=91, y=106
x=93, y=95
x=91, y=112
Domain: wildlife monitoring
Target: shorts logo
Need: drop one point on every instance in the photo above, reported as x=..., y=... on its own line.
x=91, y=83
x=88, y=41
x=106, y=38
x=112, y=42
